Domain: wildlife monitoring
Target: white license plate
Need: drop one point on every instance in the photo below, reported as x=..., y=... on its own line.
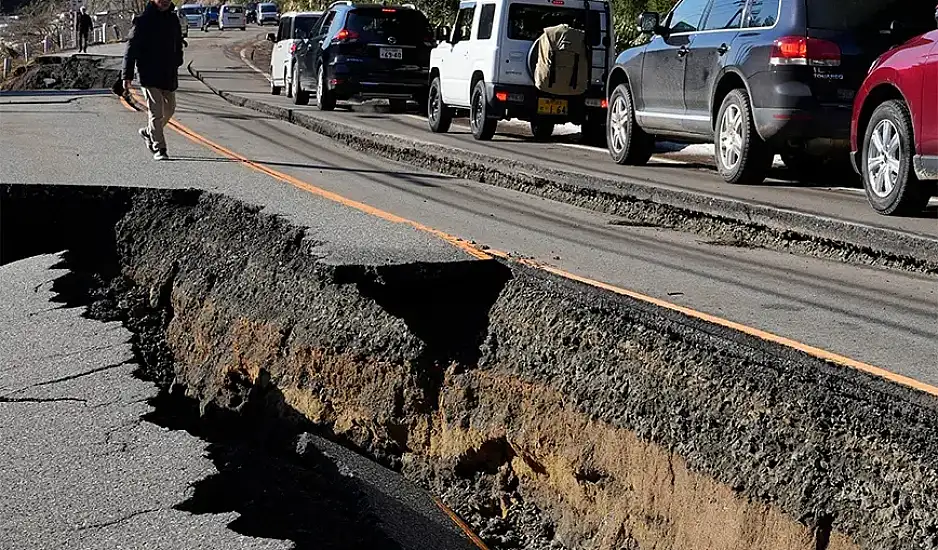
x=392, y=53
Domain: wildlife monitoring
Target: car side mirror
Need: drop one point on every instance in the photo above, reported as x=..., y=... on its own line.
x=271, y=37
x=649, y=22
x=442, y=34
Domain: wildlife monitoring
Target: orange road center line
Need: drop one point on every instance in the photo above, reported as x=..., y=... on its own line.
x=486, y=254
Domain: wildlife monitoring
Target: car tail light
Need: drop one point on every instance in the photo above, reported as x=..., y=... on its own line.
x=293, y=47
x=345, y=35
x=388, y=10
x=799, y=50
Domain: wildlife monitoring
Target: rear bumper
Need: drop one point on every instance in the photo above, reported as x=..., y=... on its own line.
x=349, y=80
x=781, y=125
x=521, y=102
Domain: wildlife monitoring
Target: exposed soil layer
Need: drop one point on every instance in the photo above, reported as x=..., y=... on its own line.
x=64, y=73
x=549, y=414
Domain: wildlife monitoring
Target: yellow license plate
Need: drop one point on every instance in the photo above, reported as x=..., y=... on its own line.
x=551, y=106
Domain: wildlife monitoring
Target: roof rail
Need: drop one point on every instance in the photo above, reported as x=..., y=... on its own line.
x=409, y=6
x=340, y=2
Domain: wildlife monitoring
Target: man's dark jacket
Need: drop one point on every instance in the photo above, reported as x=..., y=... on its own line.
x=84, y=23
x=154, y=44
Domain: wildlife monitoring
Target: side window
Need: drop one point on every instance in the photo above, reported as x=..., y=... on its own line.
x=283, y=32
x=463, y=28
x=686, y=16
x=725, y=14
x=322, y=26
x=335, y=23
x=762, y=13
x=486, y=21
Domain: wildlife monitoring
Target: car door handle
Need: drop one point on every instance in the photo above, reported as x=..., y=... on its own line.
x=723, y=49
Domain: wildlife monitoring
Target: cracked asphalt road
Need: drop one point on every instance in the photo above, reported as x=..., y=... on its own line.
x=89, y=463
x=81, y=469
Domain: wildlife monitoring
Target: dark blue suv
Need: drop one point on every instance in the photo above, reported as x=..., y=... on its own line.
x=365, y=51
x=755, y=77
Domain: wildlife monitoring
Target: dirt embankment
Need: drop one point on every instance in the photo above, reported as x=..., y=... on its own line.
x=547, y=413
x=64, y=73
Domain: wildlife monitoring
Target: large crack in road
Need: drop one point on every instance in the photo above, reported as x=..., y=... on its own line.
x=545, y=412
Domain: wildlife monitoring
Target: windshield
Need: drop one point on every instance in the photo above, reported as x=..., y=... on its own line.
x=527, y=21
x=268, y=7
x=845, y=15
x=303, y=26
x=406, y=26
x=191, y=10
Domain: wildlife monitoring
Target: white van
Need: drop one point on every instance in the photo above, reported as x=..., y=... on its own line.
x=485, y=65
x=232, y=17
x=194, y=14
x=267, y=12
x=294, y=27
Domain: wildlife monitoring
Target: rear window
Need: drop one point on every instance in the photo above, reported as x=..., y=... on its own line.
x=235, y=9
x=527, y=22
x=845, y=15
x=191, y=11
x=378, y=25
x=304, y=26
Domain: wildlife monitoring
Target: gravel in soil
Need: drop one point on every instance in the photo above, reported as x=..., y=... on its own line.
x=66, y=73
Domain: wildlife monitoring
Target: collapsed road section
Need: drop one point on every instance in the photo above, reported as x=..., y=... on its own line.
x=545, y=412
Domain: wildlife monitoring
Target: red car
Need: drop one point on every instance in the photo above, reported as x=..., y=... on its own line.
x=894, y=133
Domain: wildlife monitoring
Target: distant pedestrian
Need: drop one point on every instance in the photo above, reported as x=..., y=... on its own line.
x=154, y=45
x=83, y=25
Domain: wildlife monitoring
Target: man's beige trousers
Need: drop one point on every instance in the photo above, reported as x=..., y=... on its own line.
x=161, y=104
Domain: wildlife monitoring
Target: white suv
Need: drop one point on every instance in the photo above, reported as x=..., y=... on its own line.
x=485, y=65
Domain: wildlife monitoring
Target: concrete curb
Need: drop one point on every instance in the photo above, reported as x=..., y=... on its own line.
x=918, y=250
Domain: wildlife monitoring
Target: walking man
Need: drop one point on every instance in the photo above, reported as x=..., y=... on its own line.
x=83, y=25
x=154, y=45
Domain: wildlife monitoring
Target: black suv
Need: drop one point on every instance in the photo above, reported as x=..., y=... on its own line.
x=755, y=77
x=365, y=51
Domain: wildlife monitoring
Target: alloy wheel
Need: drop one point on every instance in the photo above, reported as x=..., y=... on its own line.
x=731, y=137
x=883, y=158
x=619, y=118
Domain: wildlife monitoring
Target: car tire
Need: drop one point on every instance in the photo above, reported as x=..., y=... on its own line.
x=627, y=142
x=741, y=155
x=891, y=185
x=243, y=28
x=325, y=101
x=300, y=96
x=397, y=106
x=541, y=130
x=483, y=127
x=274, y=89
x=439, y=116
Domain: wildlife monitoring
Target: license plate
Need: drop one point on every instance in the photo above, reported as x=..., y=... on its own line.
x=392, y=53
x=551, y=106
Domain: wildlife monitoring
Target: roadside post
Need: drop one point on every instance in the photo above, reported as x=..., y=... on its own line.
x=26, y=52
x=7, y=65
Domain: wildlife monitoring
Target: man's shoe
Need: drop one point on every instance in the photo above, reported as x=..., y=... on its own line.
x=145, y=134
x=161, y=155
